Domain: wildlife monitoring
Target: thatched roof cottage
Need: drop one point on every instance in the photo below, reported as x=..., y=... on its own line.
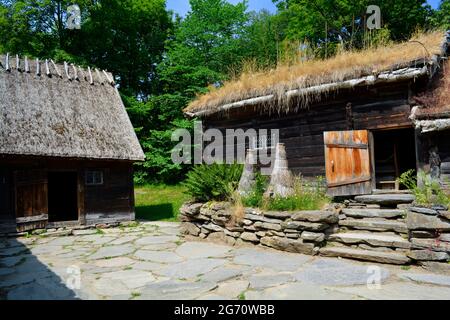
x=356, y=118
x=66, y=146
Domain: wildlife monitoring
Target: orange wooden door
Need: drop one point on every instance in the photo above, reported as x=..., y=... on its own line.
x=348, y=162
x=31, y=193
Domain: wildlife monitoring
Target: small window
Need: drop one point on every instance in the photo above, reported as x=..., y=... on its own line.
x=94, y=177
x=264, y=142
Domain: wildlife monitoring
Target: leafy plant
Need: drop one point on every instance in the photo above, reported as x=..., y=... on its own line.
x=255, y=198
x=213, y=182
x=306, y=196
x=427, y=192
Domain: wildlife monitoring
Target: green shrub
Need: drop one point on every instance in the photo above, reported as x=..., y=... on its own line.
x=428, y=193
x=305, y=196
x=213, y=182
x=255, y=198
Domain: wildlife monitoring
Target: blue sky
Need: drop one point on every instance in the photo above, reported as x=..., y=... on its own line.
x=182, y=6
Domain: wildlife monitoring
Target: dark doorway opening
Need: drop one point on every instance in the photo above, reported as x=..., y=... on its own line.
x=6, y=212
x=62, y=196
x=395, y=153
x=7, y=218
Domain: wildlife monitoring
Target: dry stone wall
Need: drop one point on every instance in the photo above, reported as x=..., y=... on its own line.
x=301, y=232
x=429, y=230
x=401, y=235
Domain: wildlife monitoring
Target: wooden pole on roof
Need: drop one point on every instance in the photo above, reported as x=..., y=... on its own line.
x=7, y=67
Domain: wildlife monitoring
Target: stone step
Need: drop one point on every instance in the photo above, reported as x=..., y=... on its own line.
x=377, y=239
x=375, y=224
x=381, y=191
x=373, y=213
x=366, y=255
x=386, y=199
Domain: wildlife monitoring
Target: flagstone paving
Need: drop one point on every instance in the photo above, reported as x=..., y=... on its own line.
x=152, y=261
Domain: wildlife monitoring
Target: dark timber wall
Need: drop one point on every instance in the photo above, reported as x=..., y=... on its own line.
x=23, y=180
x=378, y=108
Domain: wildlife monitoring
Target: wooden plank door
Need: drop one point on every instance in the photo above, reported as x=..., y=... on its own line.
x=31, y=194
x=348, y=162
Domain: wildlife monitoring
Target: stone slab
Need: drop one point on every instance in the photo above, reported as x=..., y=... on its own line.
x=373, y=213
x=112, y=251
x=367, y=255
x=435, y=279
x=195, y=250
x=157, y=256
x=418, y=221
x=288, y=245
x=374, y=239
x=270, y=259
x=375, y=225
x=191, y=268
x=176, y=290
x=386, y=199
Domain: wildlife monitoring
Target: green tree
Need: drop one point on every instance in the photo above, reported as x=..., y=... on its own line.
x=127, y=38
x=209, y=35
x=321, y=21
x=262, y=37
x=441, y=17
x=36, y=27
x=198, y=54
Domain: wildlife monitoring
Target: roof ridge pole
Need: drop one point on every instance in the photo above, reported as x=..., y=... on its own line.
x=100, y=79
x=111, y=81
x=47, y=69
x=17, y=63
x=38, y=67
x=27, y=65
x=56, y=68
x=7, y=67
x=91, y=80
x=66, y=69
x=75, y=72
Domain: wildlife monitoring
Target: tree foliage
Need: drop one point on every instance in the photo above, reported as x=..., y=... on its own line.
x=162, y=61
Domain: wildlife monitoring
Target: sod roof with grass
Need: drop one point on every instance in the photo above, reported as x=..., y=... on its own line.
x=310, y=81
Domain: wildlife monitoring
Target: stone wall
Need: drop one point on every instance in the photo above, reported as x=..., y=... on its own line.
x=301, y=232
x=407, y=234
x=429, y=230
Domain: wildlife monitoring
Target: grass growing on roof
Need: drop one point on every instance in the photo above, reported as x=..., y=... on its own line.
x=159, y=203
x=343, y=66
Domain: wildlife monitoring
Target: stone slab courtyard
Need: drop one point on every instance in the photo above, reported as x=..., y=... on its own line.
x=152, y=261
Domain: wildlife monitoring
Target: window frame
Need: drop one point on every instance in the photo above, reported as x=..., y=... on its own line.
x=96, y=173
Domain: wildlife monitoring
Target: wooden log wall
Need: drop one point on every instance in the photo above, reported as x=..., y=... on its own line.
x=380, y=108
x=112, y=201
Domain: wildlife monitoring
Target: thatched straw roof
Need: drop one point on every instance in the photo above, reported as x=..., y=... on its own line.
x=310, y=81
x=61, y=110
